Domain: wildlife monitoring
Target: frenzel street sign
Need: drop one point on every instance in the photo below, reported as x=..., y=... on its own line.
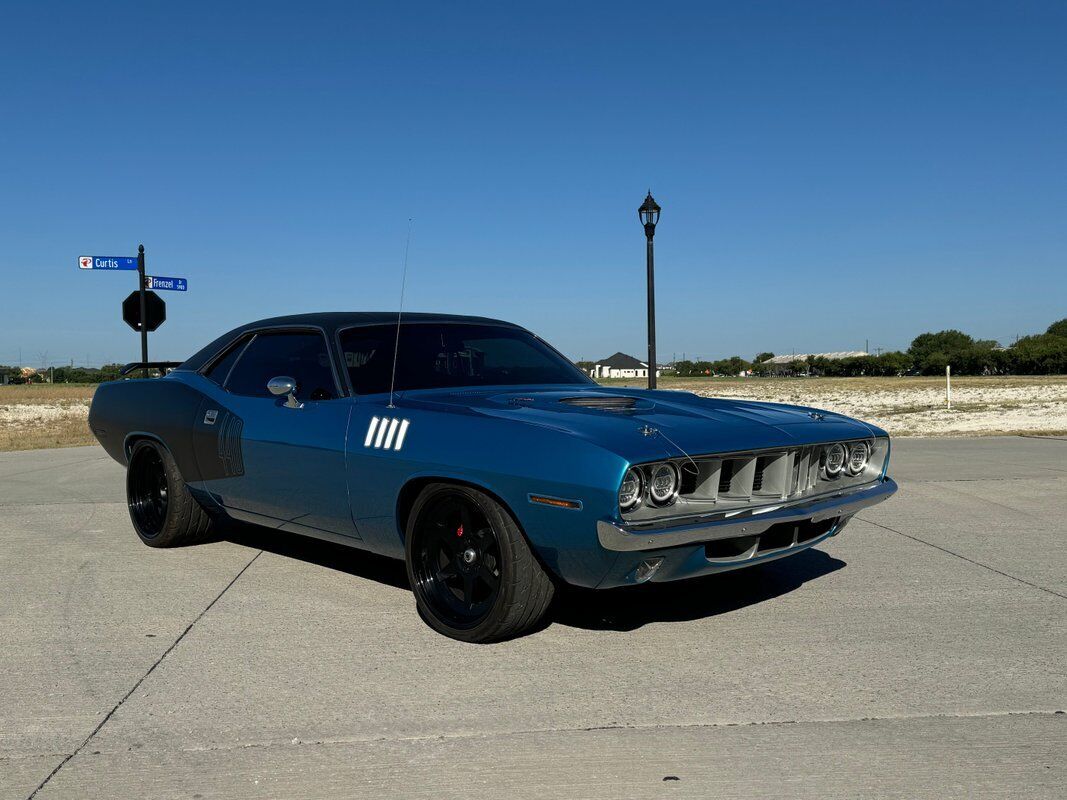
x=107, y=262
x=172, y=284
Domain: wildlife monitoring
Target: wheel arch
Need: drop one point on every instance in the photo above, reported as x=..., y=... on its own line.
x=410, y=491
x=133, y=437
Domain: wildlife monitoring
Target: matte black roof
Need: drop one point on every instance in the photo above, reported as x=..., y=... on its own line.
x=330, y=321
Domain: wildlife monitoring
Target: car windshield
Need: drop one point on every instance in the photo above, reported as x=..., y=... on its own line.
x=446, y=355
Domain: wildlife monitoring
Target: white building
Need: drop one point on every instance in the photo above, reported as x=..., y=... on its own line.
x=621, y=365
x=783, y=364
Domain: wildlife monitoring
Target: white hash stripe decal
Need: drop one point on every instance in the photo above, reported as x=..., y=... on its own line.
x=370, y=432
x=381, y=434
x=402, y=434
x=386, y=432
x=392, y=432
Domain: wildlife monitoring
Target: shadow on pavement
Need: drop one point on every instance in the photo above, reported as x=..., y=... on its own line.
x=629, y=608
x=622, y=609
x=315, y=551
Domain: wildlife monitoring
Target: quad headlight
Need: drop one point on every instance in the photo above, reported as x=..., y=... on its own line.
x=631, y=490
x=656, y=484
x=859, y=453
x=663, y=484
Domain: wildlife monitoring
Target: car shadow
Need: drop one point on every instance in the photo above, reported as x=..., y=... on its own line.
x=350, y=560
x=622, y=609
x=631, y=607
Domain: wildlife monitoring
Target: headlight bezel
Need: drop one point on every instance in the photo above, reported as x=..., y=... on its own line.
x=675, y=486
x=835, y=472
x=638, y=494
x=864, y=446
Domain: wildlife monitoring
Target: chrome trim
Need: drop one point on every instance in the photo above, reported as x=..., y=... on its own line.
x=621, y=537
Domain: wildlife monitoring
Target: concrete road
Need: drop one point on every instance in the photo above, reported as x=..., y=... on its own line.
x=920, y=654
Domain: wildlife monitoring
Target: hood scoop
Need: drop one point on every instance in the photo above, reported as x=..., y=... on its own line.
x=602, y=402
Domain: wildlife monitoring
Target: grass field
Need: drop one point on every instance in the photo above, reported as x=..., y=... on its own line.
x=43, y=415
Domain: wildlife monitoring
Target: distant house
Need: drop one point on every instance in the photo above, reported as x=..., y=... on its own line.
x=621, y=365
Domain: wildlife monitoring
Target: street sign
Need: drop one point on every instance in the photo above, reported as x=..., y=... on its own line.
x=171, y=284
x=107, y=262
x=155, y=310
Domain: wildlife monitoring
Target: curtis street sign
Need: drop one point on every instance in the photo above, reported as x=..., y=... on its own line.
x=107, y=262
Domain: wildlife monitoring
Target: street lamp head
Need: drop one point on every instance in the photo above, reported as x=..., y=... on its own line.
x=648, y=213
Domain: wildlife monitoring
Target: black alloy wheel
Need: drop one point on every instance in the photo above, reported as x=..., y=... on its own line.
x=148, y=492
x=456, y=560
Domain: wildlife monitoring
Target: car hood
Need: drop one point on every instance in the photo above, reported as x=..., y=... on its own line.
x=642, y=425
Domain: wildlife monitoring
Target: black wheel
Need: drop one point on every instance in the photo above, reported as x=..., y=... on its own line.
x=472, y=572
x=163, y=512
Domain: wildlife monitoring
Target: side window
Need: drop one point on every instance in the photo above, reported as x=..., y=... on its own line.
x=220, y=370
x=368, y=354
x=301, y=356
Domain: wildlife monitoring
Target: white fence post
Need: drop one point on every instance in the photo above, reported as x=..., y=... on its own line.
x=948, y=386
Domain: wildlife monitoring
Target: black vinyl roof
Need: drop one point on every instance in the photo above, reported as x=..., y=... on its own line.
x=330, y=322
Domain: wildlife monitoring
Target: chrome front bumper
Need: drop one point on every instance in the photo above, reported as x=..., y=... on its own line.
x=624, y=538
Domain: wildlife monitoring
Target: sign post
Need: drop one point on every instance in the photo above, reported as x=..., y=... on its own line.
x=141, y=289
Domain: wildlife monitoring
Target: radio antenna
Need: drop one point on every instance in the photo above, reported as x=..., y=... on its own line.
x=400, y=312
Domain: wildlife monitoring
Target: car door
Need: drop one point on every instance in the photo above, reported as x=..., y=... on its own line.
x=292, y=447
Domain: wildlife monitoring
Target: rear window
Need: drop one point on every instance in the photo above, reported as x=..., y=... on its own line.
x=220, y=370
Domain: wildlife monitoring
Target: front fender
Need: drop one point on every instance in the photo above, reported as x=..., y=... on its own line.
x=509, y=460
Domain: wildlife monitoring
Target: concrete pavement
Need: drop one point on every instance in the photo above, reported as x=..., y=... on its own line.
x=919, y=654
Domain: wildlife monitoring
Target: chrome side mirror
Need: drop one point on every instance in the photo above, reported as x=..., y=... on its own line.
x=283, y=384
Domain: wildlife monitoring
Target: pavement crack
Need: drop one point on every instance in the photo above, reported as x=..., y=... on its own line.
x=364, y=740
x=962, y=557
x=141, y=680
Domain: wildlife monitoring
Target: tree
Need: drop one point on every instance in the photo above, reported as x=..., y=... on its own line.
x=1058, y=328
x=1043, y=354
x=761, y=357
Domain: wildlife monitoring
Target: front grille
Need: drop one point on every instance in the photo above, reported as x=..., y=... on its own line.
x=726, y=474
x=732, y=482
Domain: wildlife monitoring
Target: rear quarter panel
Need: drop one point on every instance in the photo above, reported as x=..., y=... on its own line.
x=159, y=408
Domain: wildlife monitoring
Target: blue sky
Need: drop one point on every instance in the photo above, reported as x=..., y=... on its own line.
x=829, y=172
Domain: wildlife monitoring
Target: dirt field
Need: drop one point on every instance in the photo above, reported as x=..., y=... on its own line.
x=42, y=415
x=908, y=406
x=55, y=416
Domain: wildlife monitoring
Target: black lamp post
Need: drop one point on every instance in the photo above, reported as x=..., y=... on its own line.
x=649, y=215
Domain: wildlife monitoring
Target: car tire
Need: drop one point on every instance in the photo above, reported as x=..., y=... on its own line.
x=436, y=556
x=163, y=512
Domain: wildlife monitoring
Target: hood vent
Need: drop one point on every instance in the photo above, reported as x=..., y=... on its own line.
x=602, y=402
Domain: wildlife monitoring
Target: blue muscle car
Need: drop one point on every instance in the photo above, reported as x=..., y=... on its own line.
x=495, y=469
